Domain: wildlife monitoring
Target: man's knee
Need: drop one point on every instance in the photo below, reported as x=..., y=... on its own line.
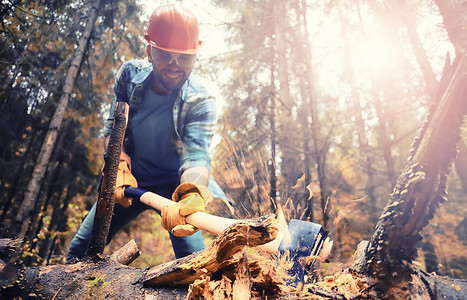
x=184, y=246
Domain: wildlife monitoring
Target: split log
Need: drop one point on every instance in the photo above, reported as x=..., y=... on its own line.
x=251, y=275
x=223, y=252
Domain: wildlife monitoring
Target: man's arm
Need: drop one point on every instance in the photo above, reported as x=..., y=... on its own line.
x=199, y=129
x=197, y=175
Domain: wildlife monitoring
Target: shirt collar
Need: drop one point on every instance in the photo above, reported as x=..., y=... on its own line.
x=143, y=76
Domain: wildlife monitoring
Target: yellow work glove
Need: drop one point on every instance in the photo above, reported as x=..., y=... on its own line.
x=190, y=198
x=124, y=179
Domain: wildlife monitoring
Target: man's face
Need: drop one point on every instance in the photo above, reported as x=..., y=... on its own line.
x=170, y=69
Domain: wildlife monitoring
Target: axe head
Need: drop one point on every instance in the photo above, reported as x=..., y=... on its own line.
x=306, y=239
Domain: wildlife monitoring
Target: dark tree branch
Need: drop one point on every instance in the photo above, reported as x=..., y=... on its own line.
x=105, y=204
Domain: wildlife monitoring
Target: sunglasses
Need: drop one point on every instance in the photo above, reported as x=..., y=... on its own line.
x=182, y=60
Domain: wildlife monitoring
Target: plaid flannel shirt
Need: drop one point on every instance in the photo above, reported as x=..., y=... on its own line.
x=194, y=112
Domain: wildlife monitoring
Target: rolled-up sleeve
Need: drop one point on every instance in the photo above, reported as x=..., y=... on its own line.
x=200, y=126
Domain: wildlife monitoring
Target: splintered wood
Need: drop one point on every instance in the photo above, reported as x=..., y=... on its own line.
x=344, y=283
x=226, y=250
x=225, y=270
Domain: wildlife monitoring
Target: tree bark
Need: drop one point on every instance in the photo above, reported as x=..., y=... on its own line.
x=421, y=187
x=106, y=201
x=454, y=15
x=408, y=18
x=286, y=137
x=384, y=138
x=365, y=152
x=24, y=215
x=304, y=113
x=272, y=126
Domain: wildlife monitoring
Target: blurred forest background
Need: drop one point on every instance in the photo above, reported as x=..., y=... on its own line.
x=320, y=102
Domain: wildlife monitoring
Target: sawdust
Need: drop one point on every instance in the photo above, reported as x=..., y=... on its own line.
x=345, y=283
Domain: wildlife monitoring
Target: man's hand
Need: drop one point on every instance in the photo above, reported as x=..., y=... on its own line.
x=124, y=179
x=190, y=198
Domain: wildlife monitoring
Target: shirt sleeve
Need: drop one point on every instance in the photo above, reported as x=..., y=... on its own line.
x=200, y=126
x=119, y=94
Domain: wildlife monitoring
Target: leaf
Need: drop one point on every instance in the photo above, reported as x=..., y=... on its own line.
x=309, y=187
x=300, y=182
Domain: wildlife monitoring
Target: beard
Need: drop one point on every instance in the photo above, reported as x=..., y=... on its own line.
x=171, y=81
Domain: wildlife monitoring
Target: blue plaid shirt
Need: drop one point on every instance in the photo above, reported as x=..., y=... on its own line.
x=194, y=112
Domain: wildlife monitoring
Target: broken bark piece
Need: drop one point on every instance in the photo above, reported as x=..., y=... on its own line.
x=233, y=282
x=8, y=246
x=241, y=287
x=223, y=252
x=128, y=253
x=207, y=289
x=269, y=276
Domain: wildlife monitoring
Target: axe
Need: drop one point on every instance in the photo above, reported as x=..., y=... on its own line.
x=303, y=239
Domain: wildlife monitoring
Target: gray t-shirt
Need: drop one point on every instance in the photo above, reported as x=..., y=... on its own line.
x=154, y=160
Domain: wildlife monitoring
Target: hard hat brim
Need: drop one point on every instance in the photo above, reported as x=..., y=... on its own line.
x=185, y=51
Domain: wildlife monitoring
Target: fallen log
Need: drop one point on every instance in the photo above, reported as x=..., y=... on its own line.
x=87, y=279
x=107, y=278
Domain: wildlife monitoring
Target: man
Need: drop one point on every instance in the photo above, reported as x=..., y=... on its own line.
x=172, y=120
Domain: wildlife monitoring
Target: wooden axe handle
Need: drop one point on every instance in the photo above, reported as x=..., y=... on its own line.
x=206, y=222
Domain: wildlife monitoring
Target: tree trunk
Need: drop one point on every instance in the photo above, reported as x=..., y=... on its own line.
x=24, y=215
x=384, y=137
x=305, y=192
x=455, y=21
x=405, y=13
x=16, y=191
x=272, y=125
x=46, y=191
x=363, y=144
x=286, y=137
x=319, y=144
x=461, y=165
x=421, y=187
x=454, y=15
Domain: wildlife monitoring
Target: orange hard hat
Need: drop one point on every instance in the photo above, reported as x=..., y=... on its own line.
x=173, y=28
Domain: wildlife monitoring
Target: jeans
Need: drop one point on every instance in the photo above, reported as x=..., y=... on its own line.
x=182, y=246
